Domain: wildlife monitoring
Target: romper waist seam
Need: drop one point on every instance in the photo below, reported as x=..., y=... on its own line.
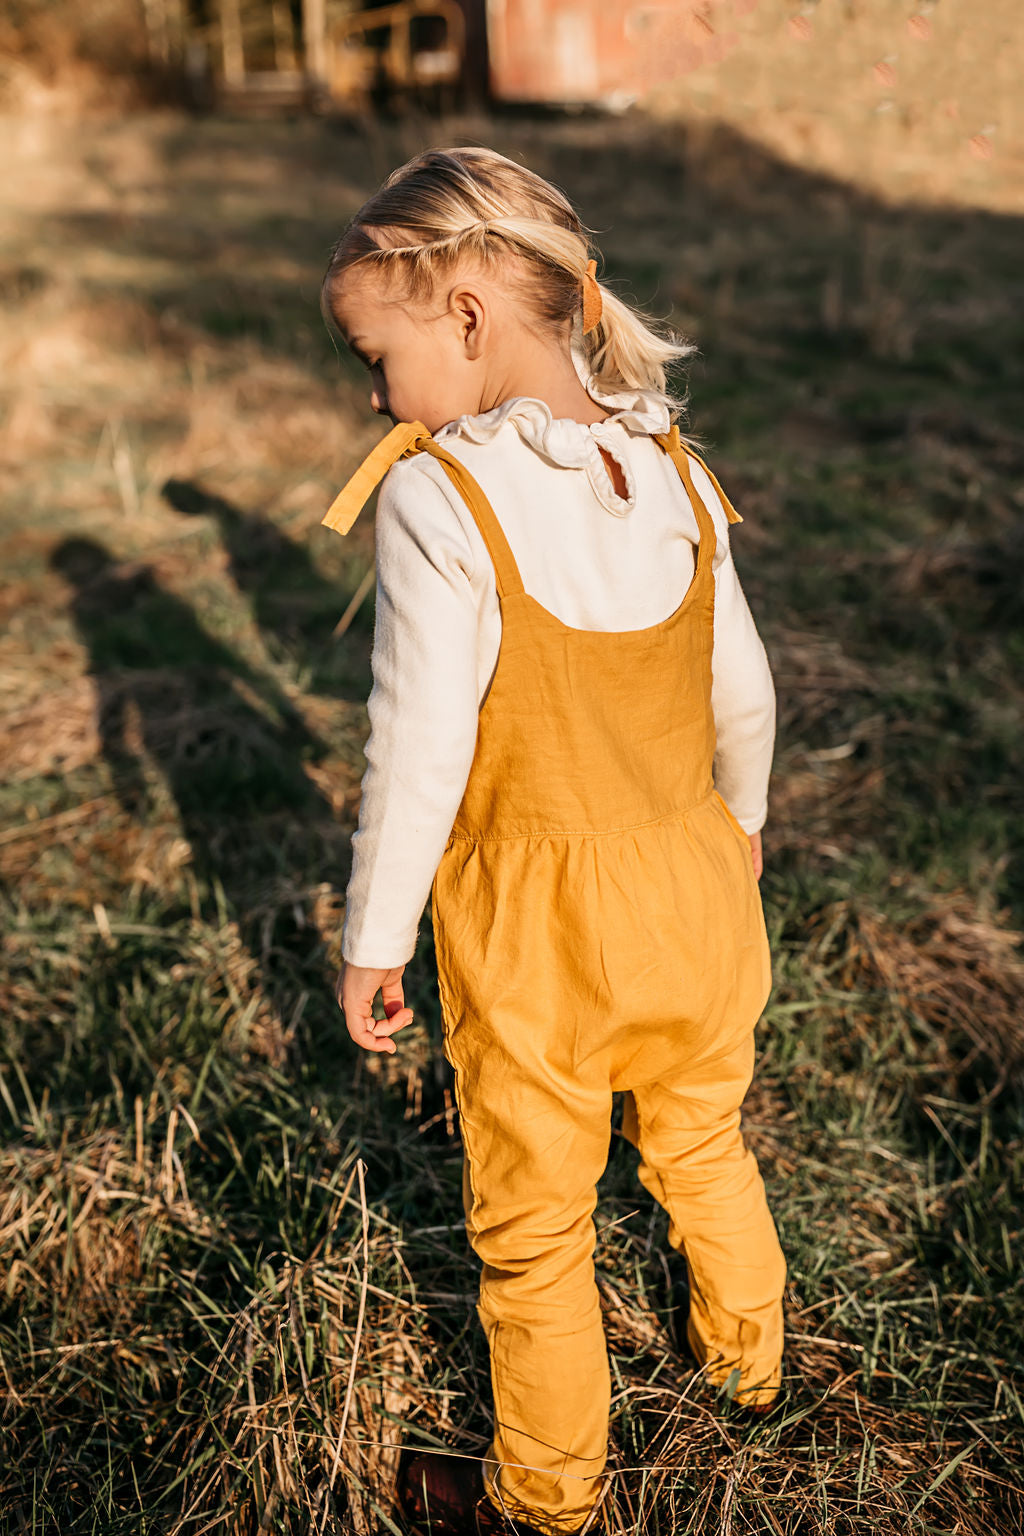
x=636, y=826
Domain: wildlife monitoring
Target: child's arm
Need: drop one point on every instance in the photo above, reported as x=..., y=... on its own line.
x=423, y=710
x=742, y=690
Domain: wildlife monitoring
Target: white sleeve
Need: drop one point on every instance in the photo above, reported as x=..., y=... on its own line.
x=423, y=710
x=742, y=690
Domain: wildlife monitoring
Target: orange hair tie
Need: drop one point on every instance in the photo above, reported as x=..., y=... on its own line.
x=592, y=301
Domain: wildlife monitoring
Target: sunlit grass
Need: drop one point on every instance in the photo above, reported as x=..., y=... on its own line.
x=235, y=1275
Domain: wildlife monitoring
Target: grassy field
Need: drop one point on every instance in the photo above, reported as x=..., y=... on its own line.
x=235, y=1279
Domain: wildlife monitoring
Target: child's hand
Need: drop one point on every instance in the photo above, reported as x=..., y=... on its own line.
x=756, y=853
x=357, y=987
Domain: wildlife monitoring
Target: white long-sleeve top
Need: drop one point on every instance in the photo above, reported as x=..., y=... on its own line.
x=594, y=559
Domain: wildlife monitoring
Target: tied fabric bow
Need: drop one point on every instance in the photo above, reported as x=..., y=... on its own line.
x=403, y=439
x=410, y=437
x=593, y=304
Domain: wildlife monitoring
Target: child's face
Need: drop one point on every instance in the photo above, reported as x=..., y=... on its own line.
x=419, y=366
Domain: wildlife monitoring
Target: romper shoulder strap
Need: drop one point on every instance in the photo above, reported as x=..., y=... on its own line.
x=407, y=438
x=673, y=446
x=707, y=538
x=508, y=579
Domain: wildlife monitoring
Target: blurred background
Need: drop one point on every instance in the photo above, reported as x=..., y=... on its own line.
x=235, y=1278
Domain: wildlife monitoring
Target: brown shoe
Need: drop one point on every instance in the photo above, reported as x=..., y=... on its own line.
x=761, y=1410
x=444, y=1496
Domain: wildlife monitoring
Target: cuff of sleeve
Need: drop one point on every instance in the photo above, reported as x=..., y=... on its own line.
x=377, y=952
x=375, y=959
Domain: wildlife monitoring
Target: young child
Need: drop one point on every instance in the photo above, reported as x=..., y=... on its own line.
x=565, y=668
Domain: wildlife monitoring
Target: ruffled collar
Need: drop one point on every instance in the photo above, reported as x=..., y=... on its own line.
x=574, y=444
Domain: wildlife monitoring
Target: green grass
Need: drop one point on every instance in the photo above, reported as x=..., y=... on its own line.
x=225, y=1238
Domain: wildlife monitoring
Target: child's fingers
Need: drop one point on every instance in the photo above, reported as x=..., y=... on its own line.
x=363, y=1030
x=391, y=1025
x=356, y=989
x=392, y=995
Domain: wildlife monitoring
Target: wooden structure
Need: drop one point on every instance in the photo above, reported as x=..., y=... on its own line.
x=271, y=54
x=403, y=47
x=605, y=52
x=317, y=53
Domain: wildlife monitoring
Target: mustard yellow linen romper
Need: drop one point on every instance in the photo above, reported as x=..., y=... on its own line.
x=599, y=929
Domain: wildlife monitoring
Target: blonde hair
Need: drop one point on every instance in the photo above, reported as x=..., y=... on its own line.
x=448, y=204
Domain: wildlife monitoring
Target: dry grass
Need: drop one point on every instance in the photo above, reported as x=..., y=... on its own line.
x=235, y=1274
x=917, y=102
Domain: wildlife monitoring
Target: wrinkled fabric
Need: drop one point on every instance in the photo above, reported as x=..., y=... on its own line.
x=437, y=634
x=572, y=444
x=598, y=928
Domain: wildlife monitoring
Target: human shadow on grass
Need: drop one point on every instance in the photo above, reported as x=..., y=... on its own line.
x=228, y=744
x=295, y=606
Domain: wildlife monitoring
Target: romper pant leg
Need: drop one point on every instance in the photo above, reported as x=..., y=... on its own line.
x=695, y=1163
x=536, y=1143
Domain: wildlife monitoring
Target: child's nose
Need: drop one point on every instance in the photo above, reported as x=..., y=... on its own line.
x=378, y=402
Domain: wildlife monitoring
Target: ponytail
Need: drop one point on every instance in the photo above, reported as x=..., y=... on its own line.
x=625, y=351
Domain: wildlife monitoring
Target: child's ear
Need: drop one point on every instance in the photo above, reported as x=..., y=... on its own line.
x=469, y=312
